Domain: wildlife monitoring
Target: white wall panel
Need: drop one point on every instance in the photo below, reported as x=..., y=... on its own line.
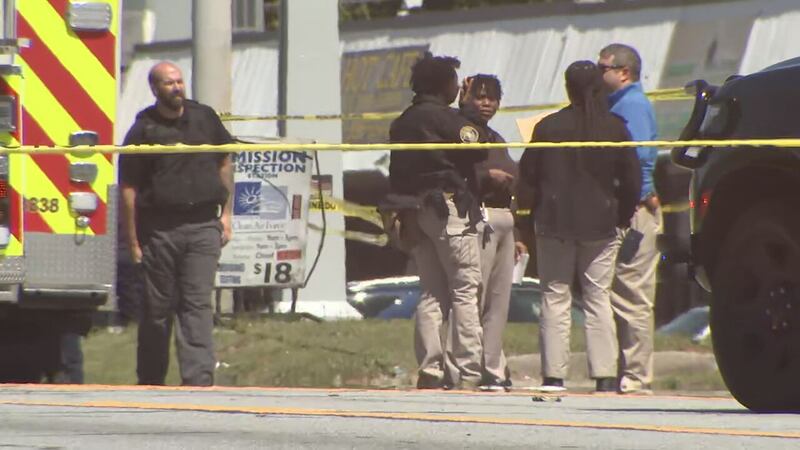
x=528, y=54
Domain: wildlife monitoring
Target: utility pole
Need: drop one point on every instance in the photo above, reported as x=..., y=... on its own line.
x=212, y=38
x=309, y=68
x=211, y=53
x=283, y=65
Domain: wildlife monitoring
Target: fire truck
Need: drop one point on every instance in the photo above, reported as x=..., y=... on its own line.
x=58, y=212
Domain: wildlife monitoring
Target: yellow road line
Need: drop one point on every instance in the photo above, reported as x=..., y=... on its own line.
x=123, y=388
x=407, y=416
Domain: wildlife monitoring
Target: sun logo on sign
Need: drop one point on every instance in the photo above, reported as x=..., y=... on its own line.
x=248, y=199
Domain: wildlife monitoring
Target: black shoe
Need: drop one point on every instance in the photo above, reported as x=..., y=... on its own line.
x=427, y=381
x=606, y=384
x=494, y=385
x=549, y=381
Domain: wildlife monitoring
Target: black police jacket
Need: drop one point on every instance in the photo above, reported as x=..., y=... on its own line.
x=581, y=193
x=176, y=182
x=430, y=120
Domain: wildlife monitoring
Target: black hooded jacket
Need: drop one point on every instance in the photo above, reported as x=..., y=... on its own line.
x=581, y=193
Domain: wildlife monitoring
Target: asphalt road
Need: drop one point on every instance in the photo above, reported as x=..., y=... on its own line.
x=89, y=417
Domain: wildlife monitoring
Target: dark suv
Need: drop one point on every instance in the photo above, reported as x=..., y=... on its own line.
x=745, y=215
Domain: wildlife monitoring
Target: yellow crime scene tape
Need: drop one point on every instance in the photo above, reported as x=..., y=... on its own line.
x=672, y=94
x=284, y=147
x=369, y=213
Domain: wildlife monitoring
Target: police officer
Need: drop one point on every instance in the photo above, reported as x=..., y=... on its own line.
x=177, y=212
x=500, y=245
x=445, y=248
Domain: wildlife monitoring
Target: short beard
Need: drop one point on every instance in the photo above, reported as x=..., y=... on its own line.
x=173, y=102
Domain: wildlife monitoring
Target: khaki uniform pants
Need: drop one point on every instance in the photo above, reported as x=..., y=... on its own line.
x=633, y=297
x=559, y=262
x=497, y=270
x=448, y=262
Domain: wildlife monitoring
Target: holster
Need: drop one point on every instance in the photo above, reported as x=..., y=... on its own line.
x=399, y=216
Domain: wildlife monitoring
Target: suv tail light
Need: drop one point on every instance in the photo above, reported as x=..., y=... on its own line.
x=700, y=207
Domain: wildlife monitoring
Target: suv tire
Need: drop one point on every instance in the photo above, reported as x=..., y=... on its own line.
x=755, y=309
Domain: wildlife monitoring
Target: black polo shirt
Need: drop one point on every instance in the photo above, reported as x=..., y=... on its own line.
x=176, y=182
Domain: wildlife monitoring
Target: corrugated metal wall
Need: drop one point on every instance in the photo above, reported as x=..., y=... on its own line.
x=529, y=54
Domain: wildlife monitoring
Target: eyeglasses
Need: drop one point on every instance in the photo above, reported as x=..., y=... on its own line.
x=605, y=68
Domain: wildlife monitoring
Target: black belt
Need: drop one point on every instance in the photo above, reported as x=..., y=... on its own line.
x=182, y=213
x=496, y=204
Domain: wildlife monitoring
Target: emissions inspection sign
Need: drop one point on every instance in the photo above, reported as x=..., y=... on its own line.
x=270, y=218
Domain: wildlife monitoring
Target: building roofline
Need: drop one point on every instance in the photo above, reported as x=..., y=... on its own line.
x=510, y=12
x=439, y=18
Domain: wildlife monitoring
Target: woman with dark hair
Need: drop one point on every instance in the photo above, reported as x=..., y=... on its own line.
x=581, y=196
x=440, y=189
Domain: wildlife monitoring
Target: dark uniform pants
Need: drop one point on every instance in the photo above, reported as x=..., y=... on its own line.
x=448, y=261
x=179, y=263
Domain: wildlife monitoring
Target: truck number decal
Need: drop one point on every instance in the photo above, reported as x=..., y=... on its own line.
x=41, y=205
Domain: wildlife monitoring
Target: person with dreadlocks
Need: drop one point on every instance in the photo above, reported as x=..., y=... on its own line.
x=501, y=246
x=581, y=196
x=441, y=191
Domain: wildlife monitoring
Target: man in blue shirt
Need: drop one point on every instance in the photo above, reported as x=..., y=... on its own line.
x=634, y=286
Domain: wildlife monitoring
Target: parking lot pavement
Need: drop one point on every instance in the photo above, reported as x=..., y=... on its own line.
x=86, y=416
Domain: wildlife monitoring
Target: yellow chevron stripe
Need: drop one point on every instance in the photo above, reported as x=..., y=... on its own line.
x=38, y=185
x=105, y=168
x=72, y=53
x=43, y=106
x=57, y=123
x=15, y=247
x=15, y=82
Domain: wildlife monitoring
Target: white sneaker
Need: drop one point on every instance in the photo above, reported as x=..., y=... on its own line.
x=633, y=387
x=549, y=389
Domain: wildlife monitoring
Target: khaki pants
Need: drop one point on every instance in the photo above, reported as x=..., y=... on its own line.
x=559, y=261
x=497, y=269
x=633, y=297
x=448, y=262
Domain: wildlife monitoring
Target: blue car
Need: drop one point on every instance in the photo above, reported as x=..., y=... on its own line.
x=397, y=298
